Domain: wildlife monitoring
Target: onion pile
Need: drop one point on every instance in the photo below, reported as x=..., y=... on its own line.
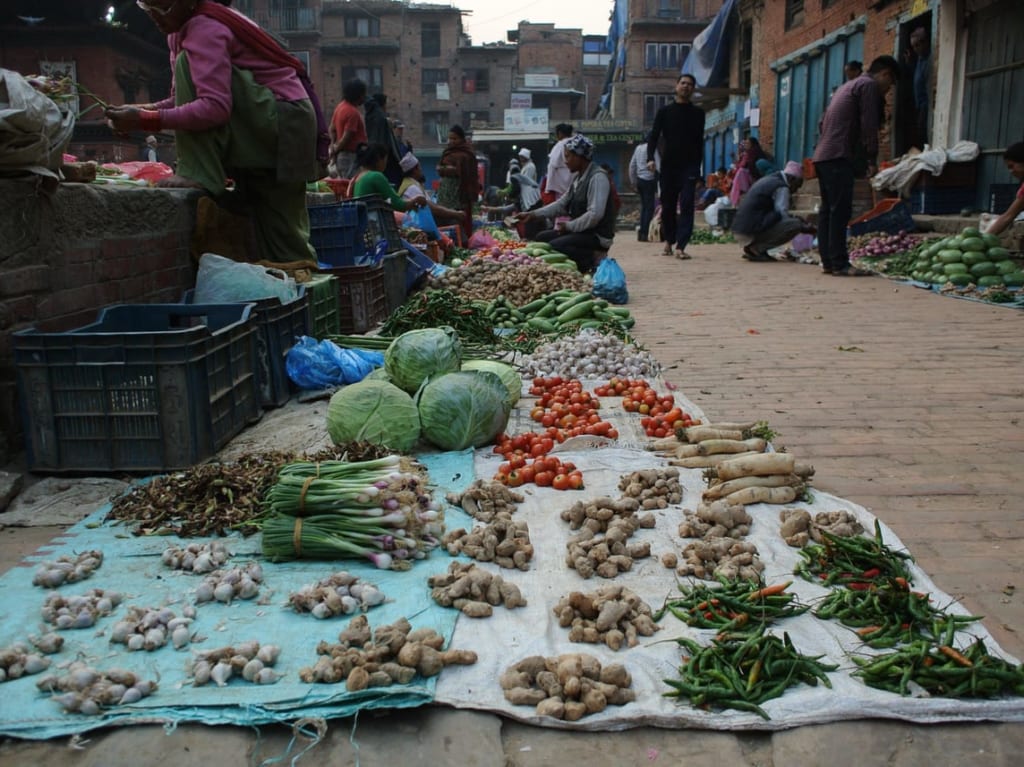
x=63, y=570
x=86, y=690
x=590, y=354
x=149, y=629
x=225, y=585
x=878, y=245
x=249, y=660
x=340, y=593
x=18, y=660
x=79, y=612
x=196, y=558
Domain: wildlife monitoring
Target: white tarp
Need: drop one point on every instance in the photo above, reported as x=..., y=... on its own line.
x=901, y=176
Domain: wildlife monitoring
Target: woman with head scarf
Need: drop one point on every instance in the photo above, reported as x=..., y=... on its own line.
x=584, y=215
x=459, y=185
x=241, y=107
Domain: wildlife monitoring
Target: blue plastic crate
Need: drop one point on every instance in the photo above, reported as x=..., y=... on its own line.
x=144, y=389
x=279, y=325
x=380, y=223
x=338, y=232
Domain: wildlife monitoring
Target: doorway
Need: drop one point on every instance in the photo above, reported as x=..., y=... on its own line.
x=914, y=99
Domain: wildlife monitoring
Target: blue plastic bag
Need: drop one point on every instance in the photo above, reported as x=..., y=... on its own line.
x=423, y=219
x=313, y=364
x=610, y=282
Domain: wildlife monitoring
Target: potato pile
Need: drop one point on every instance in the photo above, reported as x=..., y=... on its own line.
x=601, y=545
x=473, y=590
x=504, y=541
x=798, y=529
x=485, y=499
x=568, y=686
x=391, y=654
x=613, y=615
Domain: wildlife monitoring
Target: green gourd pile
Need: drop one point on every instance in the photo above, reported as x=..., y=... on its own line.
x=968, y=258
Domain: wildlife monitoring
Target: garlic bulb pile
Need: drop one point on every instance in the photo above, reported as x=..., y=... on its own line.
x=150, y=628
x=338, y=594
x=63, y=570
x=590, y=354
x=236, y=583
x=249, y=660
x=196, y=558
x=18, y=660
x=79, y=612
x=86, y=690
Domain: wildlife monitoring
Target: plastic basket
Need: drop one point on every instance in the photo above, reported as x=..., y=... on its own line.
x=338, y=232
x=144, y=389
x=380, y=223
x=278, y=324
x=323, y=306
x=395, y=268
x=362, y=300
x=890, y=216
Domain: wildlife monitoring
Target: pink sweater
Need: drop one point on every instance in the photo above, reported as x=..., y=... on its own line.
x=212, y=50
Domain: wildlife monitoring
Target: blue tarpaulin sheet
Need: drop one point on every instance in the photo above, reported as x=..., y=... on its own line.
x=132, y=566
x=708, y=60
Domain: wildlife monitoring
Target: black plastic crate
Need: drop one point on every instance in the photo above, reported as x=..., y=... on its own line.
x=395, y=268
x=380, y=223
x=144, y=389
x=362, y=299
x=339, y=233
x=279, y=325
x=939, y=201
x=1001, y=196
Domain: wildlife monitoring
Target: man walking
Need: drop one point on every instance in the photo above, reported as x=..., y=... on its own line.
x=849, y=125
x=681, y=124
x=762, y=219
x=645, y=182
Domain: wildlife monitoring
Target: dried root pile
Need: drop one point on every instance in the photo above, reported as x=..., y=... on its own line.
x=474, y=590
x=798, y=529
x=612, y=615
x=568, y=686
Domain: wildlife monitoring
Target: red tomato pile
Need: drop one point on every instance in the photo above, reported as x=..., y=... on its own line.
x=660, y=416
x=565, y=410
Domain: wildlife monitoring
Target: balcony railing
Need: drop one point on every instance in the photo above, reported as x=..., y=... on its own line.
x=295, y=19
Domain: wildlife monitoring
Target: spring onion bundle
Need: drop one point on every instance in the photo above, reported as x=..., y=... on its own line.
x=376, y=509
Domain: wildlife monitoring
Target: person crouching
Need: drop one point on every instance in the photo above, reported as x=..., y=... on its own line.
x=762, y=218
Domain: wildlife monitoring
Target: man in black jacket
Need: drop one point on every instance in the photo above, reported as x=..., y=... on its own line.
x=680, y=128
x=762, y=219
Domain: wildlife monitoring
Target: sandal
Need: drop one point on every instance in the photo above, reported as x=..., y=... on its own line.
x=682, y=255
x=667, y=250
x=852, y=271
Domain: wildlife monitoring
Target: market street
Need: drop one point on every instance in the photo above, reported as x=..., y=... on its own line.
x=905, y=402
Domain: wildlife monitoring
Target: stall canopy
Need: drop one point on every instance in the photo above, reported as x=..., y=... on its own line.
x=708, y=60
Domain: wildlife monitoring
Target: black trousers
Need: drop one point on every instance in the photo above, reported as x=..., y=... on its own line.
x=835, y=182
x=579, y=246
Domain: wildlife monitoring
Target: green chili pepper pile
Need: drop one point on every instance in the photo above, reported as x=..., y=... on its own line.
x=742, y=671
x=855, y=561
x=434, y=308
x=941, y=670
x=731, y=605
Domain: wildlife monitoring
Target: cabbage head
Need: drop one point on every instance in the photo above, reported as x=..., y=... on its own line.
x=378, y=374
x=508, y=375
x=373, y=411
x=464, y=409
x=417, y=355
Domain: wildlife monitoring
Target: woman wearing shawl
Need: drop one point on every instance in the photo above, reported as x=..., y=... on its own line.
x=459, y=185
x=241, y=107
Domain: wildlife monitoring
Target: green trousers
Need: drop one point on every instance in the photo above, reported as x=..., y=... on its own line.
x=261, y=150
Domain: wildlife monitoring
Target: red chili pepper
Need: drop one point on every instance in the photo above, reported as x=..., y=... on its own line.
x=874, y=572
x=858, y=586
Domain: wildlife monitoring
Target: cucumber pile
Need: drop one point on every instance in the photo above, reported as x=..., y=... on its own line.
x=969, y=258
x=558, y=311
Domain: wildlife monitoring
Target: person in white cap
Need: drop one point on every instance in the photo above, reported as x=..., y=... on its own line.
x=151, y=144
x=762, y=218
x=411, y=188
x=526, y=165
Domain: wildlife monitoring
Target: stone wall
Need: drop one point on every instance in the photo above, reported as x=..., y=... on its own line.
x=65, y=255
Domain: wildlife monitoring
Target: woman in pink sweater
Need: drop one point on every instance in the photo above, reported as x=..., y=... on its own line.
x=241, y=108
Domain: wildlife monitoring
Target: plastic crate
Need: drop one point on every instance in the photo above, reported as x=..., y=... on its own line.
x=144, y=389
x=279, y=325
x=338, y=232
x=395, y=268
x=380, y=223
x=953, y=175
x=362, y=301
x=1001, y=196
x=938, y=201
x=323, y=306
x=890, y=216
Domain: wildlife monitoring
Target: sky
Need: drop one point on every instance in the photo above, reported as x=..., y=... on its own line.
x=492, y=18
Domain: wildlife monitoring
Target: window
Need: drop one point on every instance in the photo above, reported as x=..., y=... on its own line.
x=435, y=125
x=595, y=54
x=356, y=26
x=430, y=79
x=673, y=8
x=476, y=80
x=746, y=55
x=476, y=118
x=665, y=55
x=372, y=76
x=794, y=13
x=652, y=103
x=430, y=38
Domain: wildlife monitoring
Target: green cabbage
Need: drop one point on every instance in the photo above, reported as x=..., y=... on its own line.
x=464, y=409
x=373, y=411
x=378, y=374
x=508, y=375
x=415, y=356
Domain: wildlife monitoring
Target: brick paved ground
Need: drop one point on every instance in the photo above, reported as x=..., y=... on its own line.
x=906, y=402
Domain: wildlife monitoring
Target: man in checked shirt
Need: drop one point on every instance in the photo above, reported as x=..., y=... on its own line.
x=848, y=128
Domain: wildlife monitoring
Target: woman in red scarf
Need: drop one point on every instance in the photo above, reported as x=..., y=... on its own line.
x=241, y=108
x=459, y=186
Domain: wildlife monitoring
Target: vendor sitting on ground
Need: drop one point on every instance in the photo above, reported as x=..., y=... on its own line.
x=584, y=215
x=370, y=178
x=762, y=218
